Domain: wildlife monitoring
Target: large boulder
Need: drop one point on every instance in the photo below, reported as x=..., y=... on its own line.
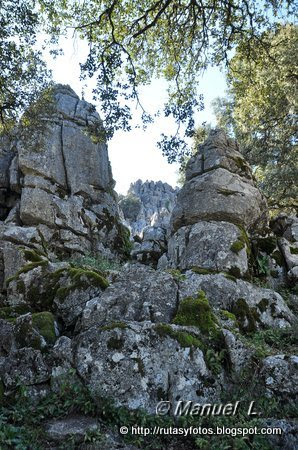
x=255, y=307
x=139, y=294
x=215, y=209
x=209, y=245
x=221, y=190
x=138, y=365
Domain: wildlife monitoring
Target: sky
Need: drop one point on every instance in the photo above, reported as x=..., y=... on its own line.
x=134, y=155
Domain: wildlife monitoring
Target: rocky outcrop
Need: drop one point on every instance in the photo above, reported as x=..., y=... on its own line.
x=146, y=204
x=58, y=181
x=286, y=228
x=96, y=343
x=147, y=209
x=216, y=207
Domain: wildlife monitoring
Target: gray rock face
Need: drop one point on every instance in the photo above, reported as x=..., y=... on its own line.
x=60, y=174
x=223, y=190
x=146, y=204
x=255, y=306
x=216, y=206
x=139, y=294
x=280, y=374
x=142, y=376
x=75, y=427
x=208, y=245
x=25, y=366
x=286, y=227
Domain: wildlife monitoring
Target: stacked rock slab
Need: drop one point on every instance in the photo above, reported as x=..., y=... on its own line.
x=59, y=183
x=215, y=208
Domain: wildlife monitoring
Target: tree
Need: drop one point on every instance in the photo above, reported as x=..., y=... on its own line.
x=261, y=111
x=131, y=42
x=22, y=71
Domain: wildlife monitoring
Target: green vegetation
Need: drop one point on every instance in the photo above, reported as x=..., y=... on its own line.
x=185, y=339
x=176, y=274
x=113, y=325
x=273, y=341
x=202, y=270
x=237, y=246
x=130, y=46
x=44, y=322
x=131, y=206
x=196, y=312
x=260, y=110
x=81, y=279
x=227, y=315
x=247, y=317
x=95, y=261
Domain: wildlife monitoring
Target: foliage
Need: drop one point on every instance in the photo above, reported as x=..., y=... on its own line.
x=131, y=43
x=96, y=261
x=22, y=71
x=196, y=312
x=131, y=206
x=261, y=110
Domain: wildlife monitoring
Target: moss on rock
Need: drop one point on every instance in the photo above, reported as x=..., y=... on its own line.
x=237, y=246
x=185, y=339
x=247, y=317
x=114, y=325
x=44, y=322
x=203, y=271
x=196, y=312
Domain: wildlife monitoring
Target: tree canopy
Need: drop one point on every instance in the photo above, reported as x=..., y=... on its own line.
x=261, y=111
x=131, y=42
x=22, y=71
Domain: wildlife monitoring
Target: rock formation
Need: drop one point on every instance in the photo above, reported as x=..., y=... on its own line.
x=58, y=185
x=147, y=210
x=89, y=334
x=148, y=204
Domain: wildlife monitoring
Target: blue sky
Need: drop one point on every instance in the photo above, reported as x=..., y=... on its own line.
x=134, y=154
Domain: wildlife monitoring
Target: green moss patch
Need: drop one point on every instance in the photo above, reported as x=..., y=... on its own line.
x=196, y=312
x=247, y=317
x=114, y=325
x=185, y=339
x=237, y=246
x=203, y=271
x=44, y=322
x=227, y=315
x=12, y=312
x=294, y=250
x=81, y=278
x=27, y=268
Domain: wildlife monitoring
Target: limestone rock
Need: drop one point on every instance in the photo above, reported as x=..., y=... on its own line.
x=148, y=204
x=219, y=187
x=146, y=366
x=73, y=426
x=280, y=375
x=254, y=306
x=239, y=355
x=218, y=195
x=138, y=294
x=209, y=245
x=7, y=338
x=25, y=366
x=59, y=174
